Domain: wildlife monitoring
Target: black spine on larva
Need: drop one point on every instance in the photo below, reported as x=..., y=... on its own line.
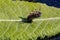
x=38, y=14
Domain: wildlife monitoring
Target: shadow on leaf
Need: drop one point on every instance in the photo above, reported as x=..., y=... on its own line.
x=25, y=20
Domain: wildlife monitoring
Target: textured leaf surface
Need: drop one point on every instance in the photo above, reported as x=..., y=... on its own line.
x=25, y=31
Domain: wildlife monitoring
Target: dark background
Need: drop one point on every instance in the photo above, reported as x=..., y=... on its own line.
x=55, y=3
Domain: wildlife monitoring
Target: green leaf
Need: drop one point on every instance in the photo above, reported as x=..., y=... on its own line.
x=47, y=25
